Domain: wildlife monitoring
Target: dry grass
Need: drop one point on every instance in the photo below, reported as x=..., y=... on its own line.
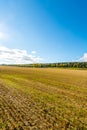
x=43, y=99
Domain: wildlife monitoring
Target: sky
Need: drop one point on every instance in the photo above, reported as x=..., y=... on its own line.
x=43, y=31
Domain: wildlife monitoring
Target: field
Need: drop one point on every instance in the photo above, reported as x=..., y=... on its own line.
x=43, y=99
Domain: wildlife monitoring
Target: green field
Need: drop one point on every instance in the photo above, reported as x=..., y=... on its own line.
x=43, y=99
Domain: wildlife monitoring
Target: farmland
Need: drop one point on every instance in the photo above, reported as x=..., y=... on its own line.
x=43, y=99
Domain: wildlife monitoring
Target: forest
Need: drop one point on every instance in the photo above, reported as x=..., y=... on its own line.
x=52, y=65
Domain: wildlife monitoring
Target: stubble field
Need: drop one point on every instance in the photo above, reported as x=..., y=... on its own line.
x=43, y=99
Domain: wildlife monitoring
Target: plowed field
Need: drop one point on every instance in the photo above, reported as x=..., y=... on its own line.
x=43, y=99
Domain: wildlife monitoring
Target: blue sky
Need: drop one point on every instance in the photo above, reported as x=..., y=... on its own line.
x=43, y=31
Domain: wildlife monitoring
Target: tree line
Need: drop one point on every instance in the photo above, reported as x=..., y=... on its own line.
x=57, y=65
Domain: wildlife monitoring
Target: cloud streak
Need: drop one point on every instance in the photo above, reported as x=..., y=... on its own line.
x=17, y=56
x=83, y=58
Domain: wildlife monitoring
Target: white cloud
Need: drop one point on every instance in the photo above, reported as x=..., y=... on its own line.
x=33, y=52
x=17, y=56
x=83, y=58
